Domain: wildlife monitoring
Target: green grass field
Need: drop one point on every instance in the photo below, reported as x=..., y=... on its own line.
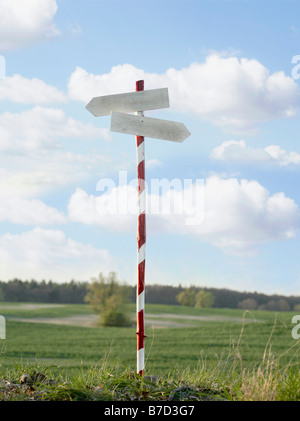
x=214, y=337
x=211, y=354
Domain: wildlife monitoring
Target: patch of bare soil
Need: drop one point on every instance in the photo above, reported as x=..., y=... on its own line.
x=30, y=306
x=151, y=320
x=89, y=320
x=212, y=318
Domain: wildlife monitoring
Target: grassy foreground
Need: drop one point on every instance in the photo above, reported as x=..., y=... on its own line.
x=234, y=359
x=114, y=382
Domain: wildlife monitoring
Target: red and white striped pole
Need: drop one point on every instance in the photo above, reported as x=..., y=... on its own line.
x=141, y=242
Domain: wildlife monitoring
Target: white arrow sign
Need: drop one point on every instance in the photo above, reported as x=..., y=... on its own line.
x=148, y=127
x=129, y=102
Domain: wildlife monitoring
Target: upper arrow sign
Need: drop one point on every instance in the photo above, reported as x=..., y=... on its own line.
x=149, y=127
x=129, y=102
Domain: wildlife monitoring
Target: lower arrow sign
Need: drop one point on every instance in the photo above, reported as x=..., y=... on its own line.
x=148, y=127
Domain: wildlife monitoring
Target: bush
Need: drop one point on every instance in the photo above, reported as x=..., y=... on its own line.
x=201, y=299
x=204, y=299
x=108, y=298
x=187, y=297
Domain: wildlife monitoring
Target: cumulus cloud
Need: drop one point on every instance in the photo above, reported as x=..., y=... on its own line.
x=238, y=151
x=47, y=253
x=49, y=170
x=234, y=94
x=241, y=215
x=117, y=208
x=25, y=177
x=40, y=128
x=26, y=22
x=105, y=210
x=237, y=216
x=83, y=86
x=34, y=159
x=26, y=211
x=22, y=90
x=282, y=156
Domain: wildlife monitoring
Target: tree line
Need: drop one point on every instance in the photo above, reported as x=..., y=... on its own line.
x=75, y=292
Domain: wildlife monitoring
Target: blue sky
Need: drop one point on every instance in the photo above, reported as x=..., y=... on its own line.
x=228, y=67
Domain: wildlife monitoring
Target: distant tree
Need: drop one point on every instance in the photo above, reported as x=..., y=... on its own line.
x=276, y=305
x=108, y=298
x=204, y=299
x=248, y=304
x=296, y=307
x=187, y=297
x=283, y=305
x=271, y=305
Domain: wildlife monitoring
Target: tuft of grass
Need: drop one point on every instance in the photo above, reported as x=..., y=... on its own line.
x=112, y=381
x=104, y=382
x=267, y=380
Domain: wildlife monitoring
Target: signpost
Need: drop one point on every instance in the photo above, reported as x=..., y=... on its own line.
x=119, y=106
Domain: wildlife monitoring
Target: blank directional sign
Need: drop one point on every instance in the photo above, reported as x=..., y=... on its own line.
x=129, y=102
x=148, y=127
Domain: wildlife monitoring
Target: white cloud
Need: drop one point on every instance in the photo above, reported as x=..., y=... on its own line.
x=153, y=163
x=282, y=156
x=22, y=90
x=117, y=209
x=26, y=22
x=238, y=151
x=234, y=150
x=103, y=210
x=25, y=211
x=83, y=86
x=37, y=173
x=239, y=216
x=40, y=128
x=24, y=177
x=234, y=94
x=49, y=254
x=34, y=158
